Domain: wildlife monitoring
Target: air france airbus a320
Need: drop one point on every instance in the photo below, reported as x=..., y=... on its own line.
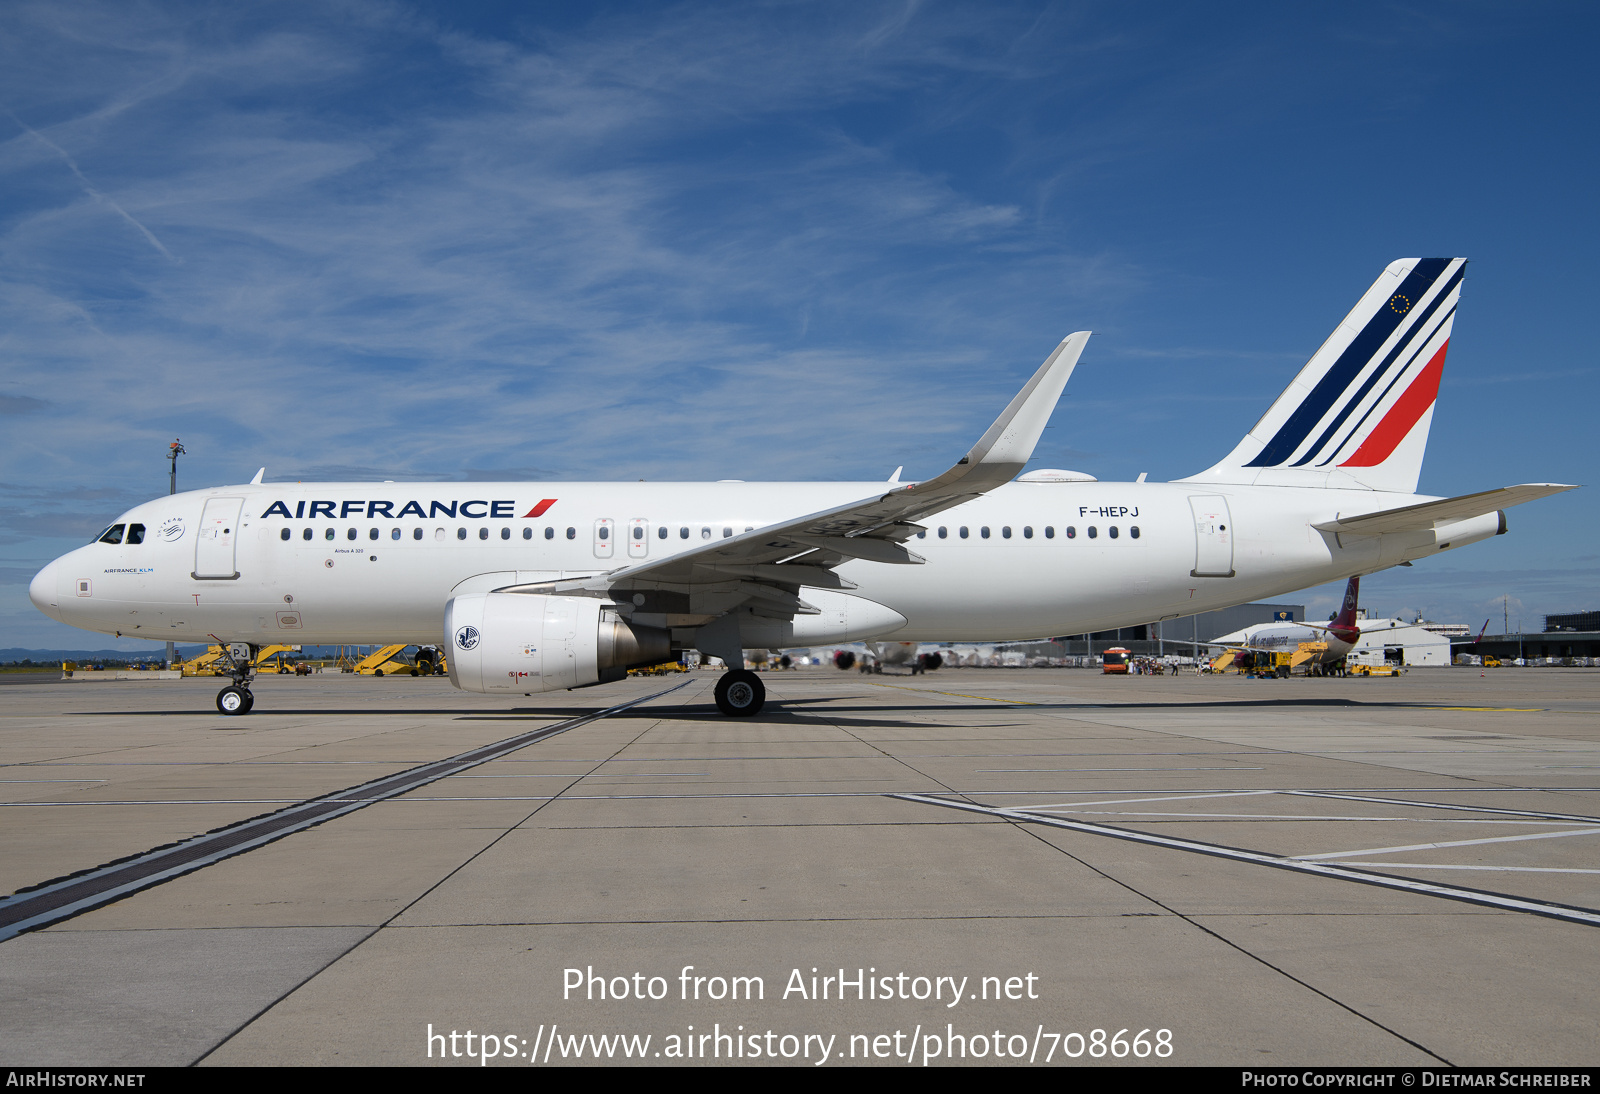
x=551, y=586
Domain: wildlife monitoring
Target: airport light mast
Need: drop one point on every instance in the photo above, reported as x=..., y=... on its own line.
x=174, y=450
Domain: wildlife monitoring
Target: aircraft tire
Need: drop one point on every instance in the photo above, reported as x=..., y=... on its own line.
x=233, y=700
x=740, y=693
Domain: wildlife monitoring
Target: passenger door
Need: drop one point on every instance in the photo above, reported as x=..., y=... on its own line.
x=1213, y=536
x=219, y=534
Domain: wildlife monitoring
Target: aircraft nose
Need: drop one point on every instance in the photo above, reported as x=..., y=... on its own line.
x=42, y=590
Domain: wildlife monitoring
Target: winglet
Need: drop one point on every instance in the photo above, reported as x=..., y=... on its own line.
x=1004, y=450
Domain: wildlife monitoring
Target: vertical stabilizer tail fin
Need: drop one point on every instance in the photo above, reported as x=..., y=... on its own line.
x=1358, y=413
x=1344, y=626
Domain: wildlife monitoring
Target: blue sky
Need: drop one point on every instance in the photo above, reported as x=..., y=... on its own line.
x=775, y=241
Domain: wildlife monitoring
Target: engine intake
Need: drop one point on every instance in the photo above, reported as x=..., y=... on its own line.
x=512, y=642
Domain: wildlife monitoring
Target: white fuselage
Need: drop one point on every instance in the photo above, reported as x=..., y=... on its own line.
x=377, y=562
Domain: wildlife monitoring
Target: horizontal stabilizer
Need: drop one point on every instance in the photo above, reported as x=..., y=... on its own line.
x=1424, y=517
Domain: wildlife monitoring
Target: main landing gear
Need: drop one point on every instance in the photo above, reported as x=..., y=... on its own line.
x=740, y=693
x=236, y=698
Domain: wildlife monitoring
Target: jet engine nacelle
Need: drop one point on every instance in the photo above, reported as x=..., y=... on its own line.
x=511, y=642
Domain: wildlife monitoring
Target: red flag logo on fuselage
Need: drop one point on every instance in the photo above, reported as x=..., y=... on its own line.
x=539, y=510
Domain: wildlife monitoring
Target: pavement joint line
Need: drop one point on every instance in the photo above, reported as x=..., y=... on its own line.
x=57, y=900
x=506, y=832
x=1586, y=916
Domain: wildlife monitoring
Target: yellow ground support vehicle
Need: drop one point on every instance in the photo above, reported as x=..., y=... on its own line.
x=662, y=669
x=387, y=661
x=381, y=662
x=214, y=662
x=1375, y=670
x=1307, y=651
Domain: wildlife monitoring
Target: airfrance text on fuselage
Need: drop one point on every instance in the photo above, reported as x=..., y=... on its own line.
x=340, y=510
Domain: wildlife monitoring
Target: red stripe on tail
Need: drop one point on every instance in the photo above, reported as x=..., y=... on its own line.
x=1406, y=412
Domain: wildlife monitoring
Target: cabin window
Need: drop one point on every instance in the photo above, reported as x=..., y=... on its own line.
x=328, y=534
x=483, y=533
x=638, y=531
x=461, y=533
x=572, y=533
x=1049, y=531
x=1093, y=531
x=306, y=534
x=705, y=533
x=549, y=533
x=661, y=532
x=1072, y=533
x=349, y=533
x=527, y=533
x=1027, y=531
x=284, y=535
x=394, y=533
x=727, y=532
x=604, y=532
x=505, y=533
x=683, y=533
x=416, y=533
x=984, y=531
x=373, y=534
x=1134, y=531
x=944, y=533
x=964, y=532
x=135, y=533
x=113, y=534
x=1113, y=531
x=922, y=534
x=438, y=534
x=1005, y=532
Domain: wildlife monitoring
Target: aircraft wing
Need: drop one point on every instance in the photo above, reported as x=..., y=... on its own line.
x=1423, y=517
x=769, y=564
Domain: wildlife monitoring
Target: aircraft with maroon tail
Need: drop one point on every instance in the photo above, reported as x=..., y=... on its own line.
x=1313, y=645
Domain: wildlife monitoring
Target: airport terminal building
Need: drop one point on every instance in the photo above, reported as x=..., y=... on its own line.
x=1565, y=637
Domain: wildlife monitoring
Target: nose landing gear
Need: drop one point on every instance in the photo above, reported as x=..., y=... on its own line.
x=236, y=698
x=740, y=693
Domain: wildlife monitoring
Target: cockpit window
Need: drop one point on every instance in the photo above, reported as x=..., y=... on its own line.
x=135, y=533
x=113, y=534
